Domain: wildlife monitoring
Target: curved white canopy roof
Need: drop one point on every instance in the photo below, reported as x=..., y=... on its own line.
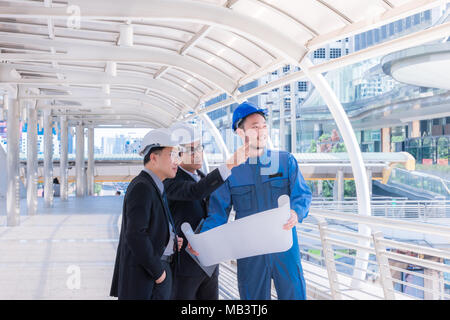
x=156, y=61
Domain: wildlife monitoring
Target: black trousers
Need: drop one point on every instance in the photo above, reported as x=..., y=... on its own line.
x=196, y=288
x=163, y=291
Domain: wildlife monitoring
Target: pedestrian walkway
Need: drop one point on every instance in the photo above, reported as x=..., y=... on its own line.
x=66, y=253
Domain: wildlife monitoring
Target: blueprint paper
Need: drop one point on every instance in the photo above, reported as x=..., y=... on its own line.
x=257, y=234
x=209, y=270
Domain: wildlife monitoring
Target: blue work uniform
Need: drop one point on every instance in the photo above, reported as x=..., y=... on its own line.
x=255, y=186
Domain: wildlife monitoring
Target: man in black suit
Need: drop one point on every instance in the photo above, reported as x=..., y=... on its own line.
x=148, y=242
x=190, y=282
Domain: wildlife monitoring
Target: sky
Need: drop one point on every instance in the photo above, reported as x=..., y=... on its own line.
x=113, y=132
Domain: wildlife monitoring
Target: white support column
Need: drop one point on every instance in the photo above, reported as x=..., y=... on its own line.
x=79, y=160
x=356, y=160
x=293, y=119
x=90, y=164
x=63, y=164
x=84, y=175
x=12, y=160
x=320, y=188
x=32, y=162
x=48, y=158
x=338, y=189
x=369, y=179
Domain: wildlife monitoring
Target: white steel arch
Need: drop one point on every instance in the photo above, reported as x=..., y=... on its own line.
x=173, y=10
x=79, y=51
x=354, y=152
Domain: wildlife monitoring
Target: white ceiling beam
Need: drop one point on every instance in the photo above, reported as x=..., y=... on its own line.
x=51, y=34
x=230, y=3
x=96, y=34
x=114, y=123
x=195, y=39
x=387, y=4
x=149, y=96
x=93, y=78
x=129, y=110
x=178, y=93
x=103, y=117
x=114, y=119
x=160, y=72
x=116, y=99
x=79, y=51
x=173, y=10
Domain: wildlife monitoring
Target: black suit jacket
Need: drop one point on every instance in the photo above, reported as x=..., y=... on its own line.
x=191, y=211
x=144, y=235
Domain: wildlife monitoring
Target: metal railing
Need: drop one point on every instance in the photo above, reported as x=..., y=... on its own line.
x=397, y=208
x=395, y=269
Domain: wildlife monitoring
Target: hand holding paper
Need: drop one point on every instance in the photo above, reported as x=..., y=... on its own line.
x=257, y=234
x=293, y=220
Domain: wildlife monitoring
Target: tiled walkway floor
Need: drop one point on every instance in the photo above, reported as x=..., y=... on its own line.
x=64, y=252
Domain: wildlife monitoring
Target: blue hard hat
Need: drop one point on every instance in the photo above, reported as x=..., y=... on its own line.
x=243, y=110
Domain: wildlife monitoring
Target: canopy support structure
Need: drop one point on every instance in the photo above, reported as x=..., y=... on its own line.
x=354, y=151
x=32, y=162
x=13, y=161
x=79, y=161
x=48, y=158
x=63, y=162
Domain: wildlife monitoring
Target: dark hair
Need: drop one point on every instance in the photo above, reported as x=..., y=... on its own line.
x=55, y=181
x=155, y=150
x=241, y=123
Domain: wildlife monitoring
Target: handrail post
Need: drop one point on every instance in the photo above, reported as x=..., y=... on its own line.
x=383, y=265
x=328, y=254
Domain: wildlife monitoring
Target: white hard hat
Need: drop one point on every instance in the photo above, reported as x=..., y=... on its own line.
x=185, y=133
x=160, y=137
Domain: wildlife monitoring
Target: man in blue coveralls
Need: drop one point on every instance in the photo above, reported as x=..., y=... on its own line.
x=255, y=186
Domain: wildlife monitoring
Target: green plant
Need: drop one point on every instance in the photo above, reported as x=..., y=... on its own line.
x=97, y=188
x=313, y=147
x=339, y=147
x=349, y=188
x=325, y=136
x=397, y=139
x=327, y=188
